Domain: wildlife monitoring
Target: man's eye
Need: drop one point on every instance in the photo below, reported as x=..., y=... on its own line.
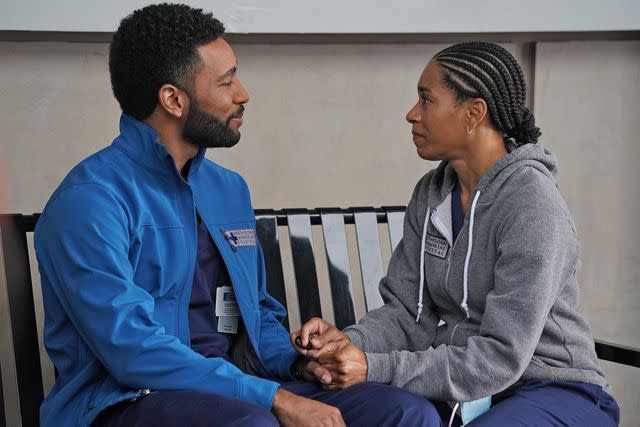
x=227, y=83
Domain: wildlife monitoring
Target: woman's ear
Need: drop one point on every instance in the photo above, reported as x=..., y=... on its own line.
x=173, y=100
x=475, y=112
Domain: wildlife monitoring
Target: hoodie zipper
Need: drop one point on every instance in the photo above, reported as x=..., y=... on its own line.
x=446, y=282
x=448, y=265
x=444, y=232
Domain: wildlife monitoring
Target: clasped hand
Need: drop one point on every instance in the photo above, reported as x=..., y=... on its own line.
x=331, y=358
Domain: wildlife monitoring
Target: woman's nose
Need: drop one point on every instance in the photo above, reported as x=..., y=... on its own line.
x=412, y=115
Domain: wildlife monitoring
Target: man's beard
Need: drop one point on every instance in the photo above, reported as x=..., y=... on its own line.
x=205, y=130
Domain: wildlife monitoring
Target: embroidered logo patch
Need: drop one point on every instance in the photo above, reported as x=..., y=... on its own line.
x=436, y=246
x=243, y=237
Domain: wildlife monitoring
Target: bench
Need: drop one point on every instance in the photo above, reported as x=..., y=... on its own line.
x=16, y=285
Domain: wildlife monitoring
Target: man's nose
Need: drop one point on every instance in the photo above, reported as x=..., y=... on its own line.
x=242, y=96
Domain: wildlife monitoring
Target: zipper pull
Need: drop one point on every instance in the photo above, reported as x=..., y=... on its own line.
x=141, y=393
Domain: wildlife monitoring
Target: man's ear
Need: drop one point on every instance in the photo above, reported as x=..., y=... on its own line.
x=173, y=100
x=475, y=112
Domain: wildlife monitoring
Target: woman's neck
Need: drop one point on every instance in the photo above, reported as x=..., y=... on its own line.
x=484, y=152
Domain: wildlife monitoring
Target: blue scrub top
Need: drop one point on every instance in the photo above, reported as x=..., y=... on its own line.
x=210, y=273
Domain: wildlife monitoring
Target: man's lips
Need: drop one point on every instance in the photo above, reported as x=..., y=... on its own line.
x=237, y=119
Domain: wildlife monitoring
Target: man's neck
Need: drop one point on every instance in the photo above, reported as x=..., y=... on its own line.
x=170, y=136
x=180, y=150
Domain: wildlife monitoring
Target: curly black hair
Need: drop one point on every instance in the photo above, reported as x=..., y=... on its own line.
x=154, y=46
x=489, y=71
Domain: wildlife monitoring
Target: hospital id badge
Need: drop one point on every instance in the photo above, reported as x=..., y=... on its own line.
x=226, y=303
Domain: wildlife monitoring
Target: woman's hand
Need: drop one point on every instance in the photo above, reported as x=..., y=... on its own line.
x=317, y=338
x=348, y=366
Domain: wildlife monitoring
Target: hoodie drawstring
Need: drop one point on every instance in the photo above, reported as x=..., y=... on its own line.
x=465, y=274
x=453, y=414
x=422, y=249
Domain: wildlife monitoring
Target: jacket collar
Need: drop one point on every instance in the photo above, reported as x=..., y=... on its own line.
x=140, y=142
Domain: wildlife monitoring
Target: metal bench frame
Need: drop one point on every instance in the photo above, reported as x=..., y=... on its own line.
x=15, y=281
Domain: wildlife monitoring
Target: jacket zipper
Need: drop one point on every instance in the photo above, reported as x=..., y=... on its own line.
x=235, y=251
x=180, y=323
x=141, y=393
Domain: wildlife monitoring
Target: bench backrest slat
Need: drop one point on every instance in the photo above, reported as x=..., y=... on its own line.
x=24, y=334
x=304, y=266
x=370, y=256
x=335, y=242
x=395, y=219
x=267, y=229
x=2, y=416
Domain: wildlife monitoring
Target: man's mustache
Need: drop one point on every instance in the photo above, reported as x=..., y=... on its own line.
x=237, y=113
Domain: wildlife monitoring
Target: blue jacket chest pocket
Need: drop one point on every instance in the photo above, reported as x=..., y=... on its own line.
x=159, y=259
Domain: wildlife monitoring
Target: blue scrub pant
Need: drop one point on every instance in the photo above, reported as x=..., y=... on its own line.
x=366, y=404
x=547, y=403
x=532, y=403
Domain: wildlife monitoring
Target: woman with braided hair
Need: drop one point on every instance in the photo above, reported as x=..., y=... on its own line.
x=480, y=295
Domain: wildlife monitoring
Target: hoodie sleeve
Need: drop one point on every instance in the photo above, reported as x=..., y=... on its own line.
x=82, y=243
x=393, y=326
x=537, y=255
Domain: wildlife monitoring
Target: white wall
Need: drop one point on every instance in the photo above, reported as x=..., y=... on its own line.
x=339, y=16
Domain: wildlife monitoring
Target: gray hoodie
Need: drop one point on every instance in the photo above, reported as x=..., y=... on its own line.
x=505, y=290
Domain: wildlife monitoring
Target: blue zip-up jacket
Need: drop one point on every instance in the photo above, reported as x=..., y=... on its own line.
x=116, y=247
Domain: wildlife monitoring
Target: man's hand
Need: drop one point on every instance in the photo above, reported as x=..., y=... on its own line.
x=292, y=410
x=311, y=371
x=347, y=366
x=317, y=338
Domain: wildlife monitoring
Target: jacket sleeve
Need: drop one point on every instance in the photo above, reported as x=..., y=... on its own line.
x=276, y=351
x=393, y=326
x=82, y=243
x=537, y=255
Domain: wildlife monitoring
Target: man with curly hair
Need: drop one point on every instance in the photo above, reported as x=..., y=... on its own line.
x=153, y=280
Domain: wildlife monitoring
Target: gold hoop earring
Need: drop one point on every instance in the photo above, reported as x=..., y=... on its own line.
x=469, y=131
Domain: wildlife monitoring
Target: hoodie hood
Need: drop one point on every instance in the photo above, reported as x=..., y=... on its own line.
x=533, y=155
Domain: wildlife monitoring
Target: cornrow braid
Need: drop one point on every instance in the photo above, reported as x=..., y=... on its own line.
x=503, y=80
x=505, y=60
x=485, y=89
x=514, y=71
x=491, y=82
x=488, y=71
